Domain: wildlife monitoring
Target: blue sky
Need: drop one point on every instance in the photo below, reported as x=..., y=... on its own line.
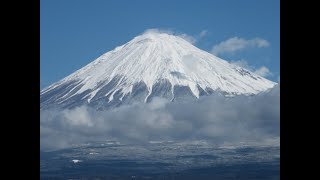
x=75, y=32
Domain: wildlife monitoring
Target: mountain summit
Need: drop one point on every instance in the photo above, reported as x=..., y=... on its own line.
x=151, y=65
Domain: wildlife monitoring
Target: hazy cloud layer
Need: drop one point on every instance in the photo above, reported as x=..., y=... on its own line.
x=236, y=44
x=212, y=118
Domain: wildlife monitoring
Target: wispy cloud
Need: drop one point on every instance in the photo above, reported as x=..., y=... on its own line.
x=193, y=39
x=243, y=63
x=188, y=38
x=203, y=33
x=159, y=30
x=196, y=38
x=261, y=71
x=236, y=44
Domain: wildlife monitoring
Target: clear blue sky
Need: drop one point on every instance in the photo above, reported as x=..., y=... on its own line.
x=75, y=32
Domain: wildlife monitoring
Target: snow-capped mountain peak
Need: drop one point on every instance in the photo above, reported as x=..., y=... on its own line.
x=150, y=65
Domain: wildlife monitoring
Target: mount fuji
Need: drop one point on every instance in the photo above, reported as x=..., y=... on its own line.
x=153, y=64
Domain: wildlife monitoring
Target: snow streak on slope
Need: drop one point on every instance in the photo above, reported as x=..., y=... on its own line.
x=153, y=64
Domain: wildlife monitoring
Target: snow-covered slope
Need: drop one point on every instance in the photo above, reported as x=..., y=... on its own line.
x=150, y=65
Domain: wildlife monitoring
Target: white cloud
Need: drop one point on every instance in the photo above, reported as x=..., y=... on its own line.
x=78, y=117
x=260, y=42
x=196, y=38
x=157, y=30
x=191, y=39
x=188, y=38
x=213, y=118
x=203, y=33
x=263, y=71
x=236, y=44
x=243, y=63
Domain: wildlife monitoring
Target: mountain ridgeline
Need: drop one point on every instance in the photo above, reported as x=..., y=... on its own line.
x=151, y=65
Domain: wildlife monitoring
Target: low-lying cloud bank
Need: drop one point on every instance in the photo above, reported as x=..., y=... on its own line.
x=214, y=118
